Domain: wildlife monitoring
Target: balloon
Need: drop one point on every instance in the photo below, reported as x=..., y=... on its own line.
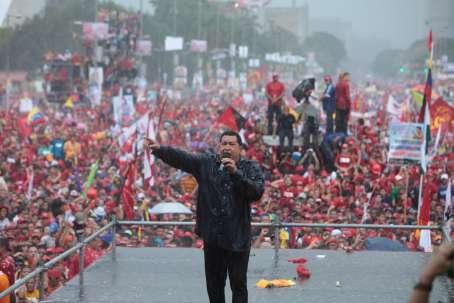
x=296, y=156
x=91, y=193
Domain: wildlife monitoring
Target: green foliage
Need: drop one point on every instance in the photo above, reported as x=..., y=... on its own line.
x=217, y=22
x=329, y=50
x=389, y=62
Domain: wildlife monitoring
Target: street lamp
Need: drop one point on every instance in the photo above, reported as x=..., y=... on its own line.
x=8, y=58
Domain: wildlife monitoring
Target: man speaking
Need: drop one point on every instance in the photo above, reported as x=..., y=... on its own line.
x=228, y=185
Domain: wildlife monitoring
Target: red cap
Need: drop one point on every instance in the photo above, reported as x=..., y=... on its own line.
x=53, y=273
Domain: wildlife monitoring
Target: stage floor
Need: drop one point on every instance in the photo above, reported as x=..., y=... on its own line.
x=161, y=275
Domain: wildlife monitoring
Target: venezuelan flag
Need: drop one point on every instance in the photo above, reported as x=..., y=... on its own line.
x=35, y=116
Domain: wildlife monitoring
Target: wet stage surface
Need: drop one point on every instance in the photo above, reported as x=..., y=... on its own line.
x=176, y=275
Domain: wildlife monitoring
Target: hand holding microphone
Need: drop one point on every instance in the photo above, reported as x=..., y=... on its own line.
x=227, y=162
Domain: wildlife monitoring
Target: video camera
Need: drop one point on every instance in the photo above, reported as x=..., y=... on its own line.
x=304, y=89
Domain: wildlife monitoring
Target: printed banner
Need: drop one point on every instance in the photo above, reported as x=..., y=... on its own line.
x=143, y=48
x=406, y=141
x=95, y=31
x=198, y=46
x=123, y=109
x=173, y=43
x=95, y=82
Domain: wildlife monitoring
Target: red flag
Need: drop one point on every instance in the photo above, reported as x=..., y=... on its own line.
x=231, y=119
x=442, y=116
x=23, y=127
x=127, y=194
x=430, y=42
x=424, y=212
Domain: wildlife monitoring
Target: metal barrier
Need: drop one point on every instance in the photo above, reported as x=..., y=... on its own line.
x=42, y=268
x=277, y=225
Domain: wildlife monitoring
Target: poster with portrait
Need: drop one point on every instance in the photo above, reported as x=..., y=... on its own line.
x=406, y=141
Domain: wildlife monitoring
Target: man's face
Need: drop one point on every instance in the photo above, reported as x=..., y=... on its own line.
x=230, y=145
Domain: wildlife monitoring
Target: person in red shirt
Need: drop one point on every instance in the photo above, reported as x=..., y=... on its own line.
x=344, y=161
x=7, y=264
x=343, y=103
x=274, y=93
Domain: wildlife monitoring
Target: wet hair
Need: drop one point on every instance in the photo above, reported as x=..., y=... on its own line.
x=231, y=133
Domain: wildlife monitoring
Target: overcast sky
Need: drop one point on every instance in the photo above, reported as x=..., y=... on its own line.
x=399, y=22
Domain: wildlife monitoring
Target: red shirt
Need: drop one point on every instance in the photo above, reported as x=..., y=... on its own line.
x=8, y=266
x=343, y=95
x=275, y=89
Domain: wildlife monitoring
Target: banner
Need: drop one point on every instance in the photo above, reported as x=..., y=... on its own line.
x=26, y=105
x=143, y=47
x=123, y=109
x=198, y=46
x=243, y=51
x=173, y=43
x=95, y=82
x=95, y=31
x=406, y=141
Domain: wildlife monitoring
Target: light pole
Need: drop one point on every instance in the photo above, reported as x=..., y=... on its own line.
x=8, y=54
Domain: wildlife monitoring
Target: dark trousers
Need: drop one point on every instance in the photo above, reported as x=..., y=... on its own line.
x=285, y=133
x=219, y=262
x=329, y=122
x=342, y=120
x=274, y=112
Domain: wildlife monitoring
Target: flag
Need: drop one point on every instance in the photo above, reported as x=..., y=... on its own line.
x=30, y=180
x=232, y=119
x=448, y=206
x=441, y=113
x=35, y=116
x=23, y=127
x=149, y=159
x=91, y=176
x=294, y=113
x=127, y=192
x=423, y=219
x=425, y=240
x=430, y=46
x=424, y=114
x=424, y=117
x=437, y=143
x=426, y=134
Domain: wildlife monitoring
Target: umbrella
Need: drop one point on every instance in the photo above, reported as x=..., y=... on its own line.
x=169, y=208
x=384, y=244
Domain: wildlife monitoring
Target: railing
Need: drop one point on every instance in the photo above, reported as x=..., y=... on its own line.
x=277, y=224
x=42, y=268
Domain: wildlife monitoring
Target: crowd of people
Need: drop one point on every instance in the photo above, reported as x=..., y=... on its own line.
x=46, y=204
x=62, y=174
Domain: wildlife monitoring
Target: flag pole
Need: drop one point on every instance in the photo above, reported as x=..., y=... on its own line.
x=420, y=194
x=407, y=179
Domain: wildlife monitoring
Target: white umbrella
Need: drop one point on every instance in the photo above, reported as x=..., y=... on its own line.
x=169, y=208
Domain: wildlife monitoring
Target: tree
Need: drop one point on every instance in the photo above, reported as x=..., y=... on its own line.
x=389, y=62
x=329, y=50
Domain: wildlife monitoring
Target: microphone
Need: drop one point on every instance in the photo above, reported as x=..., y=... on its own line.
x=225, y=154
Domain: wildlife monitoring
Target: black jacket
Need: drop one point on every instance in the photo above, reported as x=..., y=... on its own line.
x=285, y=122
x=223, y=214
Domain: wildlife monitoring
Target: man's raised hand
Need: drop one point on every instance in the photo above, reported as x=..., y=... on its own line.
x=151, y=145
